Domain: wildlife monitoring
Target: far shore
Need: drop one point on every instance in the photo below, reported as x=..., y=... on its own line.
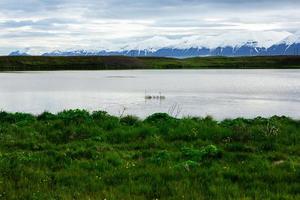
x=43, y=63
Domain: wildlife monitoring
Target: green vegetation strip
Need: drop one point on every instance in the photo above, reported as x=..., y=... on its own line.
x=31, y=63
x=80, y=155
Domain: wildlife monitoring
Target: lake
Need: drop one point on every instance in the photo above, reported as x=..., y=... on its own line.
x=219, y=93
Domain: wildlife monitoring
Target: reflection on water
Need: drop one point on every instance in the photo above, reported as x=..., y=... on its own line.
x=220, y=93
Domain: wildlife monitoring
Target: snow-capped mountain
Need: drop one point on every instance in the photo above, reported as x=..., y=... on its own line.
x=292, y=39
x=152, y=44
x=234, y=39
x=72, y=53
x=288, y=46
x=225, y=44
x=18, y=53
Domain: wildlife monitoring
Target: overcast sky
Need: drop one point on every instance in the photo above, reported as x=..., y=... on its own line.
x=45, y=25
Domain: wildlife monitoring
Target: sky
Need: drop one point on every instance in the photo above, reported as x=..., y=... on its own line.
x=47, y=25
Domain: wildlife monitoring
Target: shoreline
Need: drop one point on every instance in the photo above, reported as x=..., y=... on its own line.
x=88, y=112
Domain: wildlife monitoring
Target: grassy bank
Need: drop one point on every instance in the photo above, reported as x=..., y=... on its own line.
x=79, y=155
x=11, y=63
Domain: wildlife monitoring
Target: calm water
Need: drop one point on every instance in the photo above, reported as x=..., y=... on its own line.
x=220, y=93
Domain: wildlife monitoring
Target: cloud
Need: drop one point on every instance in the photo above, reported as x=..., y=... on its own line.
x=92, y=23
x=44, y=24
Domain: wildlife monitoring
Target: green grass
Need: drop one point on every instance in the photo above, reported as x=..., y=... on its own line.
x=25, y=63
x=80, y=155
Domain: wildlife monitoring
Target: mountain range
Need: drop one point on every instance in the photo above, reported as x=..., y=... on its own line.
x=226, y=44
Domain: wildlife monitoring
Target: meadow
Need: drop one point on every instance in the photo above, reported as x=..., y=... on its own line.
x=39, y=63
x=75, y=154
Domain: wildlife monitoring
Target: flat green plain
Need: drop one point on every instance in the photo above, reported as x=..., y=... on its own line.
x=32, y=63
